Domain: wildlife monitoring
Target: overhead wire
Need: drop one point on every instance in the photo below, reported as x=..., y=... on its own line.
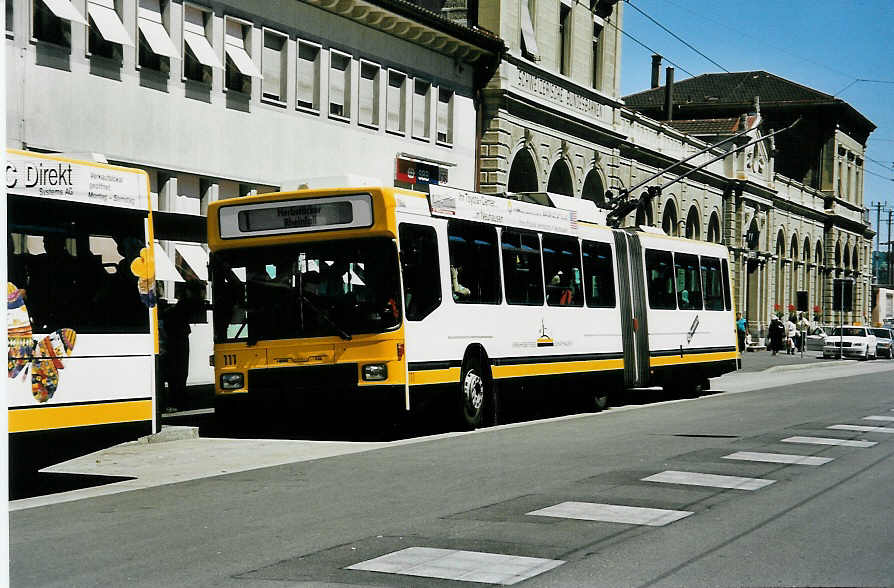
x=622, y=31
x=675, y=36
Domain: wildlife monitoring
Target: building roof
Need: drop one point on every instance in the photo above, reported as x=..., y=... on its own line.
x=707, y=126
x=737, y=91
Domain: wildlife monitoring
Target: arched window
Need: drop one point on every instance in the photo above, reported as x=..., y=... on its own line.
x=838, y=254
x=855, y=265
x=793, y=250
x=714, y=228
x=523, y=173
x=693, y=226
x=669, y=220
x=593, y=189
x=780, y=270
x=644, y=215
x=847, y=256
x=560, y=180
x=805, y=251
x=818, y=256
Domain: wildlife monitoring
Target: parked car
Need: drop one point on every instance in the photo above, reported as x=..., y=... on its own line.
x=883, y=338
x=851, y=341
x=816, y=339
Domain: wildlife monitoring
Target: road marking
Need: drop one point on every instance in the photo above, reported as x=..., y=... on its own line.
x=829, y=441
x=717, y=481
x=878, y=418
x=778, y=458
x=612, y=513
x=453, y=564
x=862, y=428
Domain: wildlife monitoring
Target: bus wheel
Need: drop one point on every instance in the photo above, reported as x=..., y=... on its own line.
x=474, y=389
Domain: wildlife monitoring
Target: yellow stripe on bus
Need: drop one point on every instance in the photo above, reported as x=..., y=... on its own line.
x=555, y=368
x=692, y=358
x=448, y=376
x=79, y=415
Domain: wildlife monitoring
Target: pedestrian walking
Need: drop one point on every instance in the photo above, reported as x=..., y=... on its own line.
x=740, y=330
x=791, y=332
x=176, y=325
x=777, y=335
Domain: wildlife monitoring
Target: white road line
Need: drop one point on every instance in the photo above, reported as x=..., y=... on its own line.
x=878, y=418
x=453, y=564
x=778, y=458
x=612, y=513
x=863, y=428
x=714, y=480
x=830, y=441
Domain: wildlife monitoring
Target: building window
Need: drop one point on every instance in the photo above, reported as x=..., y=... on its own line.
x=597, y=62
x=273, y=60
x=198, y=56
x=445, y=116
x=155, y=46
x=9, y=15
x=369, y=94
x=528, y=38
x=565, y=40
x=106, y=35
x=421, y=112
x=339, y=85
x=240, y=69
x=397, y=102
x=308, y=77
x=52, y=21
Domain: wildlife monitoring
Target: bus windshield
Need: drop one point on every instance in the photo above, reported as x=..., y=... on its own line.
x=318, y=289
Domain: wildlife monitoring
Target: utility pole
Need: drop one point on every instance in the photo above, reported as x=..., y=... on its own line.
x=888, y=273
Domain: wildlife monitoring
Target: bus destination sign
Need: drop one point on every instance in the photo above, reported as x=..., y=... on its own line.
x=296, y=216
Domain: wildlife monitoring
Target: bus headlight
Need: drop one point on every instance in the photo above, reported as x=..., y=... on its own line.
x=232, y=381
x=375, y=372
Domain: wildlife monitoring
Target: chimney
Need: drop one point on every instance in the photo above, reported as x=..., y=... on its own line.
x=656, y=69
x=669, y=94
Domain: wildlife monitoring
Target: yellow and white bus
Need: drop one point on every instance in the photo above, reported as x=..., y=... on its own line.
x=81, y=319
x=387, y=297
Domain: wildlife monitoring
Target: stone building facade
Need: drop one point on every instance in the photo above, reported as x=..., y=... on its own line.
x=807, y=223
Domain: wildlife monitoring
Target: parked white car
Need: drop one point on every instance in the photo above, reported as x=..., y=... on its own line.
x=851, y=341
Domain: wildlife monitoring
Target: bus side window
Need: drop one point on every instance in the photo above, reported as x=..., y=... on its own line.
x=599, y=275
x=521, y=268
x=689, y=282
x=474, y=262
x=726, y=291
x=713, y=283
x=561, y=269
x=660, y=280
x=419, y=258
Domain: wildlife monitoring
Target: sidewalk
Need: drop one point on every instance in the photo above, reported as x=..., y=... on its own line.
x=758, y=361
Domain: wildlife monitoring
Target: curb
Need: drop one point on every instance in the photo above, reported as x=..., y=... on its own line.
x=804, y=366
x=171, y=433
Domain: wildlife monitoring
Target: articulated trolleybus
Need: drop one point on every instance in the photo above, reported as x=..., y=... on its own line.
x=81, y=317
x=386, y=296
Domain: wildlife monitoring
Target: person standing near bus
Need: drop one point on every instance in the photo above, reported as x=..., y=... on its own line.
x=176, y=325
x=740, y=330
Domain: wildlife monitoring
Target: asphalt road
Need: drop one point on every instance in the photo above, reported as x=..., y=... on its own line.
x=304, y=524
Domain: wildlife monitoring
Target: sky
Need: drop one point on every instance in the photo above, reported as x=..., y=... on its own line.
x=824, y=44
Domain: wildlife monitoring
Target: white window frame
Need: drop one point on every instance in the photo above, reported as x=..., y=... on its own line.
x=61, y=9
x=448, y=142
x=346, y=90
x=283, y=66
x=108, y=12
x=427, y=129
x=314, y=108
x=376, y=98
x=528, y=47
x=239, y=54
x=207, y=20
x=152, y=20
x=401, y=107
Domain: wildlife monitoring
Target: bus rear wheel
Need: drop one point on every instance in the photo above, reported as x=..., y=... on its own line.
x=474, y=390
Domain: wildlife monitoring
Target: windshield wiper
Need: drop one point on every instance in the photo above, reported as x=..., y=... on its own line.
x=326, y=318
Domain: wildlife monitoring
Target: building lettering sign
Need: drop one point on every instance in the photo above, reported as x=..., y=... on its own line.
x=557, y=94
x=48, y=177
x=454, y=203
